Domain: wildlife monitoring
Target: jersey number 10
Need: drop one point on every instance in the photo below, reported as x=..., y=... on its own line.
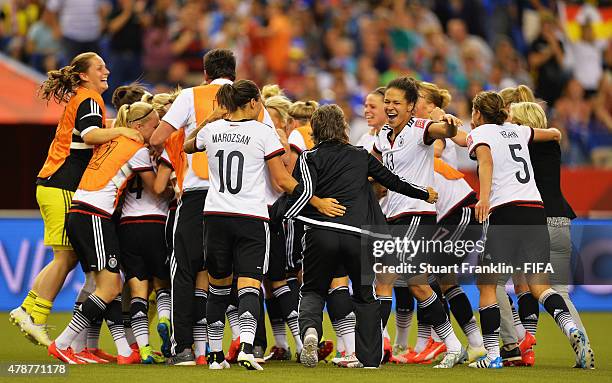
x=225, y=171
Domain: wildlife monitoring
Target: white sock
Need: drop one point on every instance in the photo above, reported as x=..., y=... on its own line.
x=200, y=348
x=80, y=342
x=386, y=333
x=349, y=342
x=435, y=336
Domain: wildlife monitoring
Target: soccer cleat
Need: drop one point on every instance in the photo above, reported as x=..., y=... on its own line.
x=66, y=356
x=232, y=353
x=163, y=329
x=248, y=361
x=102, y=354
x=18, y=315
x=149, y=357
x=38, y=333
x=185, y=358
x=585, y=357
x=347, y=360
x=338, y=357
x=487, y=363
x=90, y=358
x=134, y=346
x=431, y=352
x=326, y=347
x=219, y=366
x=387, y=350
x=258, y=353
x=309, y=355
x=279, y=353
x=527, y=342
x=511, y=357
x=451, y=359
x=528, y=358
x=475, y=353
x=134, y=358
x=201, y=360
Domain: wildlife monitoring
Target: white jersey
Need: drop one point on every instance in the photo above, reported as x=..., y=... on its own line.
x=449, y=155
x=182, y=115
x=139, y=201
x=296, y=141
x=450, y=194
x=104, y=199
x=412, y=159
x=237, y=152
x=513, y=179
x=367, y=142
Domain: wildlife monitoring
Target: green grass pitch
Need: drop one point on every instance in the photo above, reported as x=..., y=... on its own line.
x=553, y=360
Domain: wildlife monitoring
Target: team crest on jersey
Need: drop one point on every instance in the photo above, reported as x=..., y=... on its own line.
x=400, y=142
x=112, y=262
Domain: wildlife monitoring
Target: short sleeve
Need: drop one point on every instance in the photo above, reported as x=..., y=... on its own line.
x=267, y=119
x=88, y=118
x=424, y=124
x=272, y=145
x=165, y=158
x=526, y=133
x=296, y=142
x=141, y=161
x=200, y=141
x=181, y=110
x=377, y=145
x=474, y=139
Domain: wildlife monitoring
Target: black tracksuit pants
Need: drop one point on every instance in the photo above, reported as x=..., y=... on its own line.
x=186, y=262
x=325, y=250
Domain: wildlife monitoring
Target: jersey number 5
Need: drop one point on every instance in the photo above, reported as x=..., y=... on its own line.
x=513, y=152
x=225, y=172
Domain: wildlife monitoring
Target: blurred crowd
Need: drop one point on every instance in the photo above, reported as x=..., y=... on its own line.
x=339, y=50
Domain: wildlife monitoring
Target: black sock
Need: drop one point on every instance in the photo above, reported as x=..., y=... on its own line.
x=114, y=319
x=200, y=334
x=139, y=321
x=88, y=312
x=93, y=334
x=248, y=313
x=218, y=298
x=490, y=322
x=462, y=309
x=339, y=309
x=432, y=313
x=529, y=312
x=261, y=338
x=288, y=309
x=435, y=286
x=557, y=308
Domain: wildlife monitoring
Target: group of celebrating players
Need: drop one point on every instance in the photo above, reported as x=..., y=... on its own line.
x=215, y=199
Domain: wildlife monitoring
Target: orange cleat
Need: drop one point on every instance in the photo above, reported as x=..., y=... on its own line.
x=387, y=350
x=102, y=354
x=527, y=342
x=528, y=357
x=88, y=357
x=201, y=360
x=232, y=353
x=134, y=358
x=431, y=351
x=66, y=356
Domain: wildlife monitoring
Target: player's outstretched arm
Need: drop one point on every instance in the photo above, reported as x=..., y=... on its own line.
x=392, y=182
x=485, y=175
x=446, y=128
x=542, y=135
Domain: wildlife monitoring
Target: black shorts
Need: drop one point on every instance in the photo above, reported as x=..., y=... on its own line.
x=237, y=244
x=189, y=230
x=143, y=251
x=418, y=227
x=459, y=233
x=517, y=235
x=169, y=228
x=278, y=260
x=294, y=245
x=94, y=240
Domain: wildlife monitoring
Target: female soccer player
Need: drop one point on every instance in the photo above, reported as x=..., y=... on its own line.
x=333, y=167
x=93, y=234
x=509, y=197
x=237, y=233
x=405, y=147
x=80, y=86
x=142, y=237
x=374, y=113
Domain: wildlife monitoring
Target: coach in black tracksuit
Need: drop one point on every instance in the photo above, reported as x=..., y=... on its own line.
x=334, y=168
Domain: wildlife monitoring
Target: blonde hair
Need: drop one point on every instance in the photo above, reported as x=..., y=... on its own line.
x=279, y=103
x=303, y=110
x=432, y=93
x=160, y=100
x=130, y=113
x=271, y=90
x=521, y=93
x=528, y=113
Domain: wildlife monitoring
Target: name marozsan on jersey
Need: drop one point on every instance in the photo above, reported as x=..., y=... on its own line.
x=513, y=180
x=237, y=152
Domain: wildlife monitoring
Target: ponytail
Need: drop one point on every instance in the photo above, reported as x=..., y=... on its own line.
x=238, y=94
x=61, y=84
x=130, y=113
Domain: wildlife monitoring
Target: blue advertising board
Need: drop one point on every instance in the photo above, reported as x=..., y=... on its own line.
x=23, y=255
